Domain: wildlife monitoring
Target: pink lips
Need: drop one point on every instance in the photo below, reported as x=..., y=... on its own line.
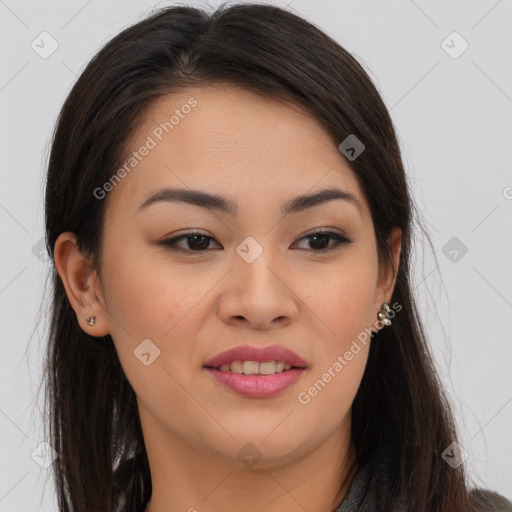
x=257, y=386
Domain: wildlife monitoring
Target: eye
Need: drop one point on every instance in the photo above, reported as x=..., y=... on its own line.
x=319, y=238
x=195, y=241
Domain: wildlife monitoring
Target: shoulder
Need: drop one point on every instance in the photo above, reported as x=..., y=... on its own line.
x=489, y=501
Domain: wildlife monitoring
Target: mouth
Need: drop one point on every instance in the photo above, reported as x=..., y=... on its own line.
x=257, y=372
x=255, y=367
x=275, y=358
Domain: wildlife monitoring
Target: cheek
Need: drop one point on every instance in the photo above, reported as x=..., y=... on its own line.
x=340, y=360
x=137, y=297
x=343, y=301
x=149, y=297
x=142, y=291
x=327, y=396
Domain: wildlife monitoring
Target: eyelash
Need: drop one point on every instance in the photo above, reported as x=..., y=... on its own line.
x=171, y=243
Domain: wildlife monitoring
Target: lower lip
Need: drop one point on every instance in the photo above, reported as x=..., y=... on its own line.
x=257, y=386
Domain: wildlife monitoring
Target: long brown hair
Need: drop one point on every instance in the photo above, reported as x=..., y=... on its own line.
x=92, y=412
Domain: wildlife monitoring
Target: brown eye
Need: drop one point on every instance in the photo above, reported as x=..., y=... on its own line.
x=194, y=242
x=319, y=241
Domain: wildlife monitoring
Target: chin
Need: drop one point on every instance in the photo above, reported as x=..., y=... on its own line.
x=263, y=450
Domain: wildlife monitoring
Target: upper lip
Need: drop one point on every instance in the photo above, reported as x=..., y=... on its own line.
x=259, y=354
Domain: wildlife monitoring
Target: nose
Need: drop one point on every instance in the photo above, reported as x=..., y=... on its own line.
x=258, y=294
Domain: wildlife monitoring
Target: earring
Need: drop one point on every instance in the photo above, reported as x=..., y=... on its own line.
x=383, y=314
x=91, y=320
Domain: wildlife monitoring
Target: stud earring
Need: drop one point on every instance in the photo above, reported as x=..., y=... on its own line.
x=91, y=320
x=383, y=314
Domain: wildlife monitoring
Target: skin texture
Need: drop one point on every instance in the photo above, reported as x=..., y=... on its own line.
x=261, y=153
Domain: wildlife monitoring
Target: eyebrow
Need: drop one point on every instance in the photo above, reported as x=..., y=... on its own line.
x=224, y=205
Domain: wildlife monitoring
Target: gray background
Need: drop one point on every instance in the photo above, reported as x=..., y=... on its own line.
x=453, y=120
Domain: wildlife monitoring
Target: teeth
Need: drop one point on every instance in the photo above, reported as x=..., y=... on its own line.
x=251, y=367
x=255, y=368
x=237, y=367
x=267, y=368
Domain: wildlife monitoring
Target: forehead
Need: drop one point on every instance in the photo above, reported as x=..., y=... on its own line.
x=226, y=139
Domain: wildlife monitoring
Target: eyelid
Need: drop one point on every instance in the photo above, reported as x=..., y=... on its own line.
x=335, y=234
x=323, y=229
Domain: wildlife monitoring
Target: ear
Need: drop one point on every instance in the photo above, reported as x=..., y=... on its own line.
x=81, y=283
x=387, y=275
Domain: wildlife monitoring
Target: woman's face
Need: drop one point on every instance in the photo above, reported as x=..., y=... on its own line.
x=250, y=277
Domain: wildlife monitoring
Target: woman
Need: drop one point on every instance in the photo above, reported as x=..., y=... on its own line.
x=233, y=326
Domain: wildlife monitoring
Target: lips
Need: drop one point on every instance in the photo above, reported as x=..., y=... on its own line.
x=258, y=354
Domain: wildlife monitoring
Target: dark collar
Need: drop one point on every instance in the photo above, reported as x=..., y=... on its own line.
x=372, y=481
